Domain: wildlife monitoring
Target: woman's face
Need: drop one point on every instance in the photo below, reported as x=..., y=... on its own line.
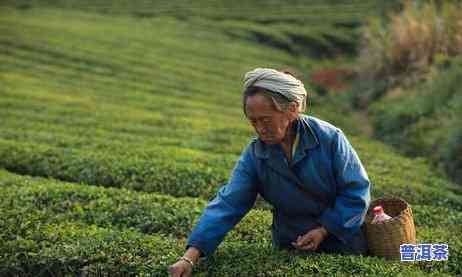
x=270, y=124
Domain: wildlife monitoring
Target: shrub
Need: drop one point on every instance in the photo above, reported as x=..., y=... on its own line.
x=39, y=249
x=425, y=121
x=117, y=208
x=155, y=172
x=34, y=248
x=403, y=50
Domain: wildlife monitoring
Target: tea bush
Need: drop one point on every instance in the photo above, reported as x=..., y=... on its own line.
x=103, y=224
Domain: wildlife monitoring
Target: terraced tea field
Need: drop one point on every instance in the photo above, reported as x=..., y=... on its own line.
x=117, y=126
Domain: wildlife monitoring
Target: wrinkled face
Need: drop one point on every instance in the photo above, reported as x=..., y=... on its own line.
x=270, y=124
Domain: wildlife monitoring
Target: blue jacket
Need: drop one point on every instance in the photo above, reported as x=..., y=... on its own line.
x=324, y=162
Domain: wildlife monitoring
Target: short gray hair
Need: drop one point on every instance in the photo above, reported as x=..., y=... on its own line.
x=280, y=102
x=282, y=82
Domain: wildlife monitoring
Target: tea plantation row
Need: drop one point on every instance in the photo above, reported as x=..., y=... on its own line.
x=259, y=11
x=391, y=174
x=119, y=231
x=145, y=112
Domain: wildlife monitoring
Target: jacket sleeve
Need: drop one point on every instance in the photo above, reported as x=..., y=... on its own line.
x=231, y=203
x=352, y=192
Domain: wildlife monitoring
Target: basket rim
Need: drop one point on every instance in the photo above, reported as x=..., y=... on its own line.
x=394, y=218
x=388, y=198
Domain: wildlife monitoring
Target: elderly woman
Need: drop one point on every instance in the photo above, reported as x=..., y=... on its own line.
x=304, y=167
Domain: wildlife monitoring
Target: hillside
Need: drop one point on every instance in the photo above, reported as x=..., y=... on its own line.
x=116, y=128
x=409, y=81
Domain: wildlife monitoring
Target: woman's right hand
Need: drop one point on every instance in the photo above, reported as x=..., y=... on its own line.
x=184, y=266
x=180, y=269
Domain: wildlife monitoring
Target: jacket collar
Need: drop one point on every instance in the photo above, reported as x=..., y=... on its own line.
x=308, y=140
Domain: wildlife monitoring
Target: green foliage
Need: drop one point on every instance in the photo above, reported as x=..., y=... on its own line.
x=324, y=41
x=116, y=230
x=120, y=112
x=36, y=241
x=154, y=170
x=403, y=48
x=427, y=120
x=117, y=208
x=258, y=11
x=451, y=154
x=391, y=175
x=139, y=111
x=444, y=235
x=77, y=249
x=243, y=261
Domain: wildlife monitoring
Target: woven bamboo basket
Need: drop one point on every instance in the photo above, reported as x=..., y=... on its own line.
x=384, y=238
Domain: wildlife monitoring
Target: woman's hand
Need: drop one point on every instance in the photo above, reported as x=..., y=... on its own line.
x=311, y=240
x=180, y=269
x=184, y=266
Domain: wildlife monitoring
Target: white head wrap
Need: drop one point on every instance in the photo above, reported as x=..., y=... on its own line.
x=277, y=81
